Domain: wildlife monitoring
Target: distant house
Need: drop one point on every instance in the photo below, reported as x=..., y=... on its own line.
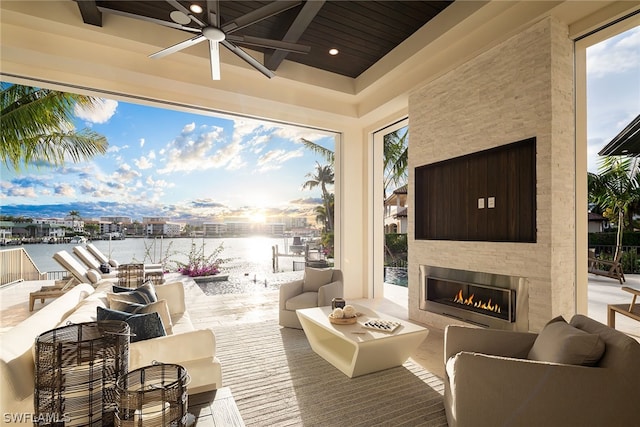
x=395, y=212
x=597, y=223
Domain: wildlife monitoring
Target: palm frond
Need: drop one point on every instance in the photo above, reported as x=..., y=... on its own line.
x=319, y=149
x=37, y=125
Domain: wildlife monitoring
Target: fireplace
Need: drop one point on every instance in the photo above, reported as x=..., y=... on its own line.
x=485, y=299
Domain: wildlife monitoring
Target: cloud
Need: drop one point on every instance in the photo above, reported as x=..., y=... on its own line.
x=193, y=151
x=143, y=163
x=125, y=174
x=115, y=148
x=615, y=55
x=206, y=203
x=244, y=127
x=30, y=181
x=141, y=142
x=64, y=190
x=307, y=201
x=28, y=192
x=187, y=129
x=101, y=112
x=274, y=159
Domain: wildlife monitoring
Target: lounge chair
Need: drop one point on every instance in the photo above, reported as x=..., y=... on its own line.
x=78, y=271
x=611, y=269
x=54, y=291
x=88, y=259
x=102, y=258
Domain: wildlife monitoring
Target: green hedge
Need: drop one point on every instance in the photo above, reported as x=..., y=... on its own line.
x=396, y=253
x=629, y=238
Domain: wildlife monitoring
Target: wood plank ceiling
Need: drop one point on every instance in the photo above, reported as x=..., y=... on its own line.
x=362, y=31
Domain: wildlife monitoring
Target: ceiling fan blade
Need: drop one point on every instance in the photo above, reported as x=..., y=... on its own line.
x=248, y=58
x=213, y=12
x=269, y=43
x=186, y=11
x=179, y=46
x=169, y=24
x=214, y=54
x=257, y=15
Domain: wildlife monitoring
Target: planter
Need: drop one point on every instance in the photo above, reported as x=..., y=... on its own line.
x=214, y=278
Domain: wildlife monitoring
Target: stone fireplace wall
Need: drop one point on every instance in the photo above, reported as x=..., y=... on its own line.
x=519, y=89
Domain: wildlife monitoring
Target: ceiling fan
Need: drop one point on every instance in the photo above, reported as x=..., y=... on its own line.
x=211, y=29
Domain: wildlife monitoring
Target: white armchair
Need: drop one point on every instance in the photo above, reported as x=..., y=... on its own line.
x=316, y=289
x=499, y=378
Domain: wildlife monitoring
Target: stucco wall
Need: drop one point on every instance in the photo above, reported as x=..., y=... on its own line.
x=519, y=89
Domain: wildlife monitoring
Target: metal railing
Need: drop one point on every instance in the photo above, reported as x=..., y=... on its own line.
x=17, y=265
x=630, y=259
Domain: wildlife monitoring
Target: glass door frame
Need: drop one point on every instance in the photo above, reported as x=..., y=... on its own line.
x=376, y=211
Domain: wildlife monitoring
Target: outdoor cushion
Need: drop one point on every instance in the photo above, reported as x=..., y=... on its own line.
x=144, y=326
x=314, y=278
x=159, y=307
x=303, y=300
x=94, y=276
x=142, y=295
x=559, y=342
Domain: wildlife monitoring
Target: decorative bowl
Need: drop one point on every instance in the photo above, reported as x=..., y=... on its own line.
x=343, y=320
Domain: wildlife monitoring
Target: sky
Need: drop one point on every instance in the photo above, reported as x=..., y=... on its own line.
x=613, y=90
x=183, y=166
x=191, y=168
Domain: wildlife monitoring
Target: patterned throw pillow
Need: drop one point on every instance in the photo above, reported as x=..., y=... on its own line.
x=144, y=294
x=144, y=326
x=159, y=307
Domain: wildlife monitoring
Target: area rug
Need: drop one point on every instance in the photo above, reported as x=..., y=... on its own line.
x=277, y=380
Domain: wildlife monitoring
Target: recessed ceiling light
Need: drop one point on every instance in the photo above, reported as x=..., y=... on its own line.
x=333, y=51
x=195, y=8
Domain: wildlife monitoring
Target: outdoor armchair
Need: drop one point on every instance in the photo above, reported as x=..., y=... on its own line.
x=492, y=377
x=316, y=289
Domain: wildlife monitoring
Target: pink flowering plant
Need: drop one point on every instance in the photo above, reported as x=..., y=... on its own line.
x=198, y=264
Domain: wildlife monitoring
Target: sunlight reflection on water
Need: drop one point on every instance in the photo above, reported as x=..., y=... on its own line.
x=249, y=268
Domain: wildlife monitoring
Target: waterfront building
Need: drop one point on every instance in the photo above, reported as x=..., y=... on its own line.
x=214, y=229
x=117, y=219
x=164, y=228
x=76, y=225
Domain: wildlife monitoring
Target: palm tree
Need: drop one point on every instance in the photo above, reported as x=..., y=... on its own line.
x=614, y=189
x=37, y=126
x=321, y=215
x=396, y=159
x=323, y=177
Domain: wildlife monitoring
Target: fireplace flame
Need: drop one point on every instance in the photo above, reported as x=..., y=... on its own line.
x=460, y=299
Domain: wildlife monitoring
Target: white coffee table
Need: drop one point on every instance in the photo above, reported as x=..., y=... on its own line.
x=356, y=350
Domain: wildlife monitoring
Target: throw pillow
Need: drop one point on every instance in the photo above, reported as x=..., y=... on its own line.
x=144, y=326
x=161, y=307
x=560, y=342
x=143, y=294
x=316, y=277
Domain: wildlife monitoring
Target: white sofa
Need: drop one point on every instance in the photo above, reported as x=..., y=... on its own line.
x=186, y=346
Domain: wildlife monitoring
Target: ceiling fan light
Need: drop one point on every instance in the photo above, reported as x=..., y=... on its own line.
x=179, y=17
x=333, y=51
x=195, y=8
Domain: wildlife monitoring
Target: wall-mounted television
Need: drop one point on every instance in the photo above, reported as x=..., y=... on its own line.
x=488, y=195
